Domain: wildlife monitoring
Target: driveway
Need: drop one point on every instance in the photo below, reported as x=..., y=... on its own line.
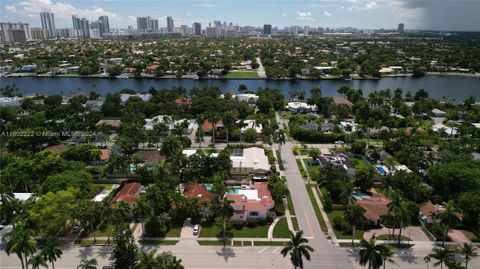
x=415, y=233
x=187, y=230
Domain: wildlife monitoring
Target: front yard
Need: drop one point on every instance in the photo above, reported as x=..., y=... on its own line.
x=213, y=230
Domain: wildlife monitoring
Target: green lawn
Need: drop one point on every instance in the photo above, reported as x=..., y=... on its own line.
x=359, y=163
x=295, y=224
x=318, y=213
x=213, y=243
x=169, y=76
x=89, y=242
x=387, y=237
x=174, y=231
x=211, y=230
x=279, y=159
x=341, y=234
x=105, y=230
x=269, y=243
x=302, y=171
x=242, y=74
x=259, y=231
x=158, y=242
x=313, y=170
x=290, y=205
x=281, y=229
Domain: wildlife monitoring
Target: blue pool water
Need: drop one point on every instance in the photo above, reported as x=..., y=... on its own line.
x=232, y=190
x=360, y=195
x=381, y=170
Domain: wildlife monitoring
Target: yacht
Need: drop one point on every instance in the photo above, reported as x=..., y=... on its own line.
x=122, y=76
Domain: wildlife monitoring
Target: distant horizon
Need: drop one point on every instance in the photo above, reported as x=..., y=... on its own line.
x=422, y=15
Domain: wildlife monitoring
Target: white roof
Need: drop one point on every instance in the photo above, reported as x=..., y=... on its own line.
x=150, y=123
x=323, y=67
x=100, y=197
x=22, y=196
x=447, y=130
x=252, y=158
x=189, y=152
x=125, y=96
x=250, y=194
x=251, y=124
x=246, y=97
x=477, y=125
x=297, y=105
x=438, y=111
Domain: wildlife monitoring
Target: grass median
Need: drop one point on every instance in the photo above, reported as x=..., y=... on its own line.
x=316, y=208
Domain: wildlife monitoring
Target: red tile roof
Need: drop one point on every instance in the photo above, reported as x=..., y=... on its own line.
x=104, y=154
x=198, y=191
x=375, y=207
x=151, y=156
x=128, y=193
x=207, y=125
x=57, y=148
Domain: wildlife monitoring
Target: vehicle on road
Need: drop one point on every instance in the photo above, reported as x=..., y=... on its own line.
x=77, y=228
x=196, y=229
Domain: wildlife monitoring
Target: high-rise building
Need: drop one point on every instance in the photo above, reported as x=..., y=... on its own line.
x=63, y=32
x=14, y=32
x=77, y=22
x=142, y=23
x=184, y=29
x=267, y=29
x=48, y=22
x=306, y=30
x=105, y=26
x=95, y=29
x=85, y=27
x=400, y=28
x=211, y=32
x=170, y=24
x=152, y=25
x=39, y=33
x=197, y=28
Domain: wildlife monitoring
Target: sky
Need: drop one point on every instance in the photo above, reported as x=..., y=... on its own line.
x=449, y=15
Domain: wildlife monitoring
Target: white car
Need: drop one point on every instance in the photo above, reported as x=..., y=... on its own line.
x=196, y=229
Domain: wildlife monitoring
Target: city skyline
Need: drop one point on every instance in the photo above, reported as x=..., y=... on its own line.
x=422, y=15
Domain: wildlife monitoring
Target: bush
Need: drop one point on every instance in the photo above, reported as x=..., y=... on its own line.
x=358, y=147
x=271, y=215
x=308, y=135
x=327, y=201
x=252, y=223
x=339, y=222
x=238, y=224
x=279, y=209
x=262, y=221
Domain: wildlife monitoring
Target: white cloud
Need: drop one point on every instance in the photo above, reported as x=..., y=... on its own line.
x=284, y=14
x=301, y=15
x=32, y=8
x=352, y=1
x=327, y=13
x=371, y=5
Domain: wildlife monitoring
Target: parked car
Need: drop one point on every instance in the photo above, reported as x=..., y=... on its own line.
x=196, y=229
x=77, y=228
x=339, y=142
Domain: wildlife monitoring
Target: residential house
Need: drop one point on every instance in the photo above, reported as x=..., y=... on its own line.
x=327, y=127
x=58, y=149
x=249, y=161
x=301, y=107
x=125, y=96
x=253, y=202
x=94, y=105
x=169, y=122
x=247, y=124
x=246, y=97
x=113, y=125
x=375, y=206
x=438, y=113
x=310, y=126
x=11, y=101
x=129, y=193
x=444, y=130
x=150, y=157
x=199, y=191
x=338, y=100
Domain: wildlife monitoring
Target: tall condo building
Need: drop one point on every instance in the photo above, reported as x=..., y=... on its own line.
x=104, y=25
x=267, y=29
x=48, y=22
x=14, y=32
x=170, y=24
x=77, y=22
x=197, y=28
x=400, y=28
x=145, y=24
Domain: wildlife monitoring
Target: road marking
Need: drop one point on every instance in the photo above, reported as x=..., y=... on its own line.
x=308, y=223
x=275, y=250
x=262, y=250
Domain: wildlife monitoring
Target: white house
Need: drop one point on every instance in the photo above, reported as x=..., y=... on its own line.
x=445, y=130
x=246, y=97
x=251, y=124
x=11, y=101
x=125, y=96
x=249, y=161
x=438, y=113
x=167, y=120
x=301, y=107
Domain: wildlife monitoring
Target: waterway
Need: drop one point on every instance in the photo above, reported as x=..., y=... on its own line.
x=457, y=87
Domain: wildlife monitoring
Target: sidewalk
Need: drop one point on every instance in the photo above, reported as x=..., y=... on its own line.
x=330, y=232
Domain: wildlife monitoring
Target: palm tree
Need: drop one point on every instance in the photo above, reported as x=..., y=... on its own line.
x=387, y=252
x=404, y=213
x=213, y=118
x=166, y=260
x=51, y=251
x=21, y=242
x=354, y=216
x=199, y=121
x=38, y=261
x=442, y=255
x=392, y=205
x=370, y=253
x=225, y=211
x=280, y=138
x=229, y=118
x=88, y=264
x=468, y=251
x=171, y=146
x=298, y=248
x=147, y=260
x=448, y=218
x=427, y=260
x=141, y=211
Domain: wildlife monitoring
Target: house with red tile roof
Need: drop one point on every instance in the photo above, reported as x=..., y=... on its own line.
x=129, y=193
x=252, y=202
x=375, y=206
x=208, y=126
x=198, y=191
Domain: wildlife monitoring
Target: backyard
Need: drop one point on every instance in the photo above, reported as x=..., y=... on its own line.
x=242, y=74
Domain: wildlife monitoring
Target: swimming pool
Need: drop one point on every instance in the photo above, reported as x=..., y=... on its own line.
x=360, y=195
x=232, y=190
x=381, y=169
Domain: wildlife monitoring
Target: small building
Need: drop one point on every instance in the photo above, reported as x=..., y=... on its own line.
x=249, y=161
x=375, y=206
x=310, y=126
x=444, y=130
x=93, y=105
x=198, y=191
x=208, y=126
x=327, y=127
x=11, y=101
x=338, y=100
x=125, y=96
x=58, y=149
x=150, y=157
x=246, y=97
x=427, y=211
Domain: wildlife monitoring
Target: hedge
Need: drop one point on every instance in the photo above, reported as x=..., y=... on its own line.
x=307, y=135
